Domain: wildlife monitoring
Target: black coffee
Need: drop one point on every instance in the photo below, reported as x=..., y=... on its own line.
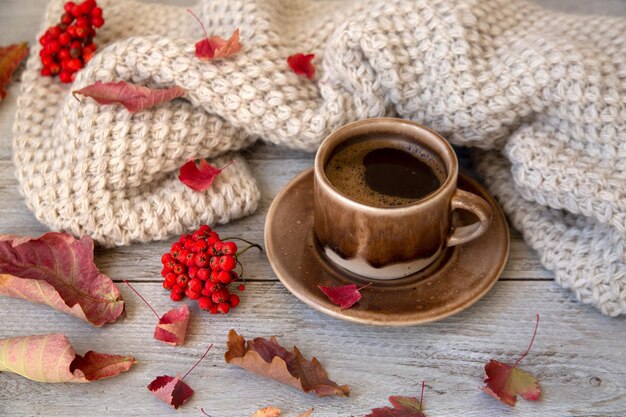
x=385, y=172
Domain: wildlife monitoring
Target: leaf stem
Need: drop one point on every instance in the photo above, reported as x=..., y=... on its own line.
x=206, y=35
x=422, y=396
x=365, y=286
x=143, y=299
x=204, y=412
x=227, y=165
x=531, y=342
x=199, y=360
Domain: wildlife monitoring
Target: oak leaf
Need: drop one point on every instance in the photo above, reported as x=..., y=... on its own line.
x=301, y=64
x=51, y=358
x=134, y=97
x=10, y=58
x=269, y=359
x=199, y=178
x=345, y=296
x=58, y=270
x=504, y=382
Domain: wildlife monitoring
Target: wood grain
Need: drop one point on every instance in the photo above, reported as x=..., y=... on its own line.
x=578, y=356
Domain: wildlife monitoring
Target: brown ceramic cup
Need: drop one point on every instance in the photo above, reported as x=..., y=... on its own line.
x=392, y=242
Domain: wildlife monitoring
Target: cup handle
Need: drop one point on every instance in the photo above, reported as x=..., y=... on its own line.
x=462, y=200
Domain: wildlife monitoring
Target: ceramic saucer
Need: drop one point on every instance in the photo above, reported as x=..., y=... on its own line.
x=461, y=276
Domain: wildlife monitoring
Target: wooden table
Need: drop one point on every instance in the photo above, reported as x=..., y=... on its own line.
x=579, y=355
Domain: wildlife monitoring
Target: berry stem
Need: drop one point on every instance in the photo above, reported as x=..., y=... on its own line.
x=238, y=238
x=253, y=245
x=421, y=396
x=531, y=342
x=143, y=299
x=206, y=35
x=199, y=360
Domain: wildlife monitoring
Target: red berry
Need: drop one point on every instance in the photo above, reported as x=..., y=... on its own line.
x=205, y=228
x=190, y=259
x=86, y=7
x=179, y=268
x=214, y=263
x=234, y=300
x=66, y=76
x=223, y=308
x=165, y=271
x=66, y=19
x=54, y=32
x=218, y=245
x=71, y=30
x=176, y=248
x=82, y=22
x=182, y=280
x=45, y=71
x=205, y=303
x=210, y=287
x=177, y=288
x=213, y=309
x=195, y=285
x=97, y=21
x=69, y=6
x=203, y=274
x=242, y=287
x=229, y=248
x=227, y=262
x=182, y=256
x=200, y=245
x=52, y=47
x=171, y=277
x=201, y=259
x=55, y=68
x=193, y=295
x=192, y=271
x=176, y=296
x=63, y=53
x=220, y=295
x=189, y=244
x=75, y=11
x=215, y=276
x=167, y=285
x=183, y=238
x=224, y=277
x=47, y=60
x=211, y=250
x=212, y=239
x=199, y=235
x=97, y=11
x=82, y=32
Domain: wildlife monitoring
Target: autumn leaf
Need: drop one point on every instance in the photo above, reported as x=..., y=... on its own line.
x=402, y=407
x=134, y=97
x=172, y=326
x=504, y=382
x=269, y=359
x=10, y=58
x=301, y=64
x=51, y=358
x=199, y=178
x=275, y=412
x=58, y=270
x=345, y=296
x=215, y=47
x=173, y=390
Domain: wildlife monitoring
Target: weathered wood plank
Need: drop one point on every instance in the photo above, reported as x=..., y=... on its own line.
x=577, y=357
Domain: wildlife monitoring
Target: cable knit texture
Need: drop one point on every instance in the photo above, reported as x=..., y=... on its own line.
x=542, y=94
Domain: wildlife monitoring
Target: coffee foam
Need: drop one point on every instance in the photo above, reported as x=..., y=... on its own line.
x=345, y=169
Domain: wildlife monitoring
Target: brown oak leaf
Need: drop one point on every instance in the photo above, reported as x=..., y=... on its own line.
x=134, y=97
x=51, y=358
x=58, y=270
x=10, y=58
x=269, y=359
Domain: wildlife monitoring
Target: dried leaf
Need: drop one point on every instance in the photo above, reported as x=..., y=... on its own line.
x=215, y=47
x=504, y=382
x=58, y=270
x=307, y=413
x=10, y=58
x=199, y=179
x=301, y=64
x=267, y=412
x=50, y=358
x=345, y=296
x=402, y=407
x=172, y=327
x=171, y=390
x=134, y=97
x=269, y=359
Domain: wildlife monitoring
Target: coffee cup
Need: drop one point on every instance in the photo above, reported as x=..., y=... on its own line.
x=384, y=193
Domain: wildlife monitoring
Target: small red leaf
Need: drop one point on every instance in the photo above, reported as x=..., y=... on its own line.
x=10, y=58
x=199, y=178
x=402, y=407
x=345, y=296
x=301, y=64
x=215, y=47
x=504, y=382
x=171, y=390
x=172, y=327
x=134, y=97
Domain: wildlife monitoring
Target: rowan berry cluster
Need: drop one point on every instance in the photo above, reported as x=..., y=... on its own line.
x=68, y=46
x=201, y=266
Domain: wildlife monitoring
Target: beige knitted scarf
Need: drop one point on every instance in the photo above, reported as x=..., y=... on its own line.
x=543, y=95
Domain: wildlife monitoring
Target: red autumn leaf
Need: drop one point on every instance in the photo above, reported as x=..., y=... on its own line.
x=402, y=407
x=50, y=358
x=58, y=270
x=199, y=178
x=215, y=47
x=172, y=326
x=134, y=97
x=267, y=412
x=301, y=64
x=269, y=359
x=10, y=58
x=504, y=381
x=345, y=296
x=172, y=389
